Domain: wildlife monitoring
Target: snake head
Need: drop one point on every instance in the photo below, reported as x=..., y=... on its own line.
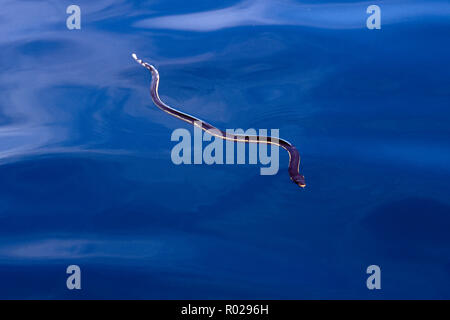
x=145, y=64
x=299, y=180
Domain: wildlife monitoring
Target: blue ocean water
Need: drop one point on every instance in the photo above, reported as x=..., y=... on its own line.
x=85, y=169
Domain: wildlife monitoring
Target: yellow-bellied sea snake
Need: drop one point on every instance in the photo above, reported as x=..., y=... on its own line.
x=294, y=157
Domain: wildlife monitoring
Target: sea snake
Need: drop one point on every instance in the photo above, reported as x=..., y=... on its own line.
x=294, y=157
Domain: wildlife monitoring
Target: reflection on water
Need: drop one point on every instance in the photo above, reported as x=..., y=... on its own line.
x=85, y=155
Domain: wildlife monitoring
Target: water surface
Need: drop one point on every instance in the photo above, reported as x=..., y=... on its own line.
x=85, y=156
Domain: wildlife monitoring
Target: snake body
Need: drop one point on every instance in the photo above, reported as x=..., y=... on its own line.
x=294, y=157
